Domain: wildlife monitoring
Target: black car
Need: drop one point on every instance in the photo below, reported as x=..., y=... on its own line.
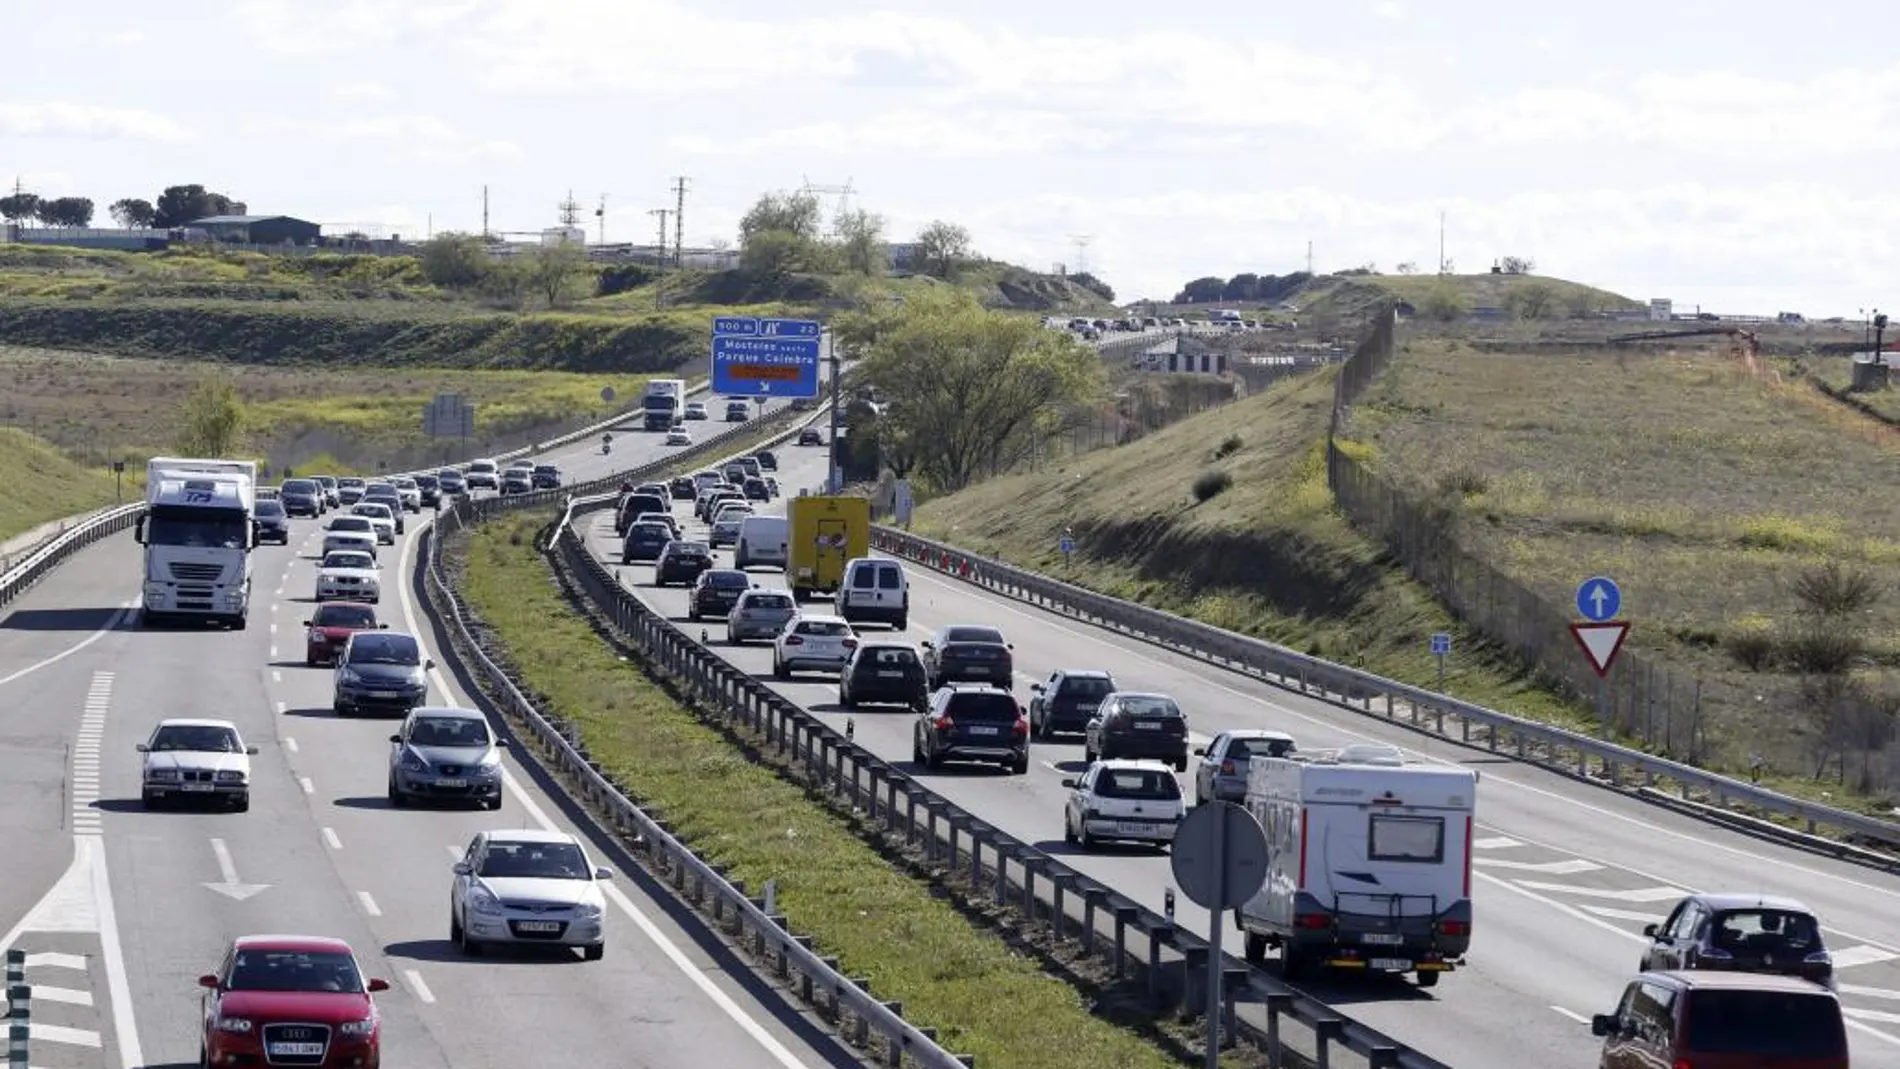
x=1067, y=701
x=715, y=592
x=1134, y=725
x=682, y=562
x=768, y=460
x=972, y=723
x=272, y=523
x=810, y=436
x=1740, y=932
x=969, y=653
x=756, y=490
x=430, y=488
x=644, y=541
x=683, y=488
x=546, y=477
x=380, y=671
x=883, y=673
x=302, y=497
x=632, y=505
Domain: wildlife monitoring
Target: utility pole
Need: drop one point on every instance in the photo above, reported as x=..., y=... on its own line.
x=1441, y=243
x=1081, y=243
x=660, y=249
x=679, y=222
x=600, y=215
x=1309, y=257
x=570, y=212
x=484, y=213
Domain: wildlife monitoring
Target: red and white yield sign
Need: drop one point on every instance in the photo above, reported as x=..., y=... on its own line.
x=1601, y=642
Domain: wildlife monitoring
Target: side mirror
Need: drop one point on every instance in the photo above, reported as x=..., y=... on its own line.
x=309, y=623
x=427, y=665
x=1069, y=783
x=1037, y=687
x=927, y=644
x=382, y=627
x=395, y=738
x=208, y=980
x=461, y=868
x=1603, y=1024
x=375, y=985
x=603, y=873
x=142, y=748
x=1009, y=645
x=1200, y=751
x=501, y=744
x=250, y=751
x=1649, y=930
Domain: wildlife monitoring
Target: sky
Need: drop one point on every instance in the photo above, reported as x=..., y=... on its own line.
x=1735, y=157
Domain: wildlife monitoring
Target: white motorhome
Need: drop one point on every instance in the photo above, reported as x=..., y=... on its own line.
x=198, y=530
x=1370, y=863
x=664, y=403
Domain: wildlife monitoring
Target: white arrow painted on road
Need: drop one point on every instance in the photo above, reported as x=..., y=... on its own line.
x=227, y=869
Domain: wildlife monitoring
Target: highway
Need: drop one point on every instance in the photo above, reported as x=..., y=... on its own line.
x=1567, y=874
x=118, y=940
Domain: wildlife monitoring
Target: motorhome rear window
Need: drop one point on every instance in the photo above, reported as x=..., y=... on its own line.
x=1396, y=838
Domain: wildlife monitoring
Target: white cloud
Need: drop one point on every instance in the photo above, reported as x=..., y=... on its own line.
x=1389, y=10
x=427, y=137
x=914, y=132
x=362, y=91
x=126, y=38
x=301, y=28
x=87, y=121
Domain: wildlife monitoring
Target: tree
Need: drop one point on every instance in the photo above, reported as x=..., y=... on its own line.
x=1445, y=302
x=454, y=260
x=1407, y=267
x=796, y=214
x=211, y=421
x=179, y=205
x=73, y=212
x=861, y=242
x=1094, y=285
x=19, y=207
x=552, y=269
x=133, y=213
x=980, y=387
x=1517, y=265
x=1242, y=287
x=1206, y=290
x=1532, y=300
x=941, y=245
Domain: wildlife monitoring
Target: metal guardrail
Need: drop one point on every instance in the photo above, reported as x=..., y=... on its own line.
x=1594, y=760
x=763, y=933
x=19, y=1010
x=15, y=579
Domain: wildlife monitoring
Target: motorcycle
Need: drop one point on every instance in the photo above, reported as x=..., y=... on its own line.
x=606, y=446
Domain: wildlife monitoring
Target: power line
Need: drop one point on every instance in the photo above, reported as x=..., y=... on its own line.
x=660, y=249
x=679, y=222
x=1081, y=243
x=843, y=193
x=570, y=211
x=600, y=214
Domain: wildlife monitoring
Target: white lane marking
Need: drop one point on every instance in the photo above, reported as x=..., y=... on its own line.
x=273, y=630
x=52, y=1033
x=369, y=904
x=733, y=1011
x=455, y=853
x=125, y=609
x=1850, y=989
x=1566, y=867
x=273, y=649
x=1626, y=894
x=308, y=787
x=290, y=744
x=329, y=837
x=274, y=606
x=1859, y=1015
x=1862, y=955
x=413, y=979
x=276, y=676
x=281, y=706
x=1495, y=842
x=67, y=995
x=53, y=959
x=1625, y=914
x=1572, y=1014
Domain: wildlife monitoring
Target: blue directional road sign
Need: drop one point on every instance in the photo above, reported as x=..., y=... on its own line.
x=1599, y=599
x=1441, y=644
x=763, y=358
x=1067, y=545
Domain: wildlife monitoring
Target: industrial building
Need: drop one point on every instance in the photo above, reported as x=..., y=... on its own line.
x=259, y=229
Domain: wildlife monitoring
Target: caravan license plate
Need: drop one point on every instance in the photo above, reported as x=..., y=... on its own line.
x=1390, y=964
x=1388, y=939
x=296, y=1050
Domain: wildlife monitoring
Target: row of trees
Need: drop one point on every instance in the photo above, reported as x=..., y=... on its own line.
x=1248, y=286
x=552, y=274
x=175, y=206
x=787, y=232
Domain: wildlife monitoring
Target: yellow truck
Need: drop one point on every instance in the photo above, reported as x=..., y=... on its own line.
x=825, y=533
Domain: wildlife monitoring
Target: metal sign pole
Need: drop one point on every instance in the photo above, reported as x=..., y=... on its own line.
x=1218, y=906
x=832, y=483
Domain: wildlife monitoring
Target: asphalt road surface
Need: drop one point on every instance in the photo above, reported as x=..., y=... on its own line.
x=116, y=906
x=1567, y=875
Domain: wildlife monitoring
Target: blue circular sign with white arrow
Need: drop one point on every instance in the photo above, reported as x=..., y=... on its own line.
x=1599, y=599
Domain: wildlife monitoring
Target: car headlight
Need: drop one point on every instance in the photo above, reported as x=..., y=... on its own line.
x=230, y=776
x=347, y=677
x=161, y=775
x=357, y=1029
x=315, y=636
x=414, y=764
x=587, y=911
x=240, y=1025
x=483, y=902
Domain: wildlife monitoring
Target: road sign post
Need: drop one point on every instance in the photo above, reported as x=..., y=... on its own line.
x=1441, y=648
x=1219, y=858
x=1067, y=546
x=448, y=416
x=1600, y=634
x=765, y=358
x=902, y=502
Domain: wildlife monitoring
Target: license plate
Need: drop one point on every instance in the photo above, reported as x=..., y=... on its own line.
x=1149, y=726
x=890, y=675
x=383, y=694
x=296, y=1050
x=451, y=783
x=985, y=731
x=539, y=926
x=1389, y=939
x=1087, y=710
x=196, y=788
x=1132, y=827
x=1390, y=964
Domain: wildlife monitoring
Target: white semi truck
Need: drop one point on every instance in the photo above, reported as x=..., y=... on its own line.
x=664, y=404
x=199, y=526
x=1369, y=864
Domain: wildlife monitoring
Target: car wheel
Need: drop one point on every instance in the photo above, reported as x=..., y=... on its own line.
x=148, y=800
x=599, y=950
x=1020, y=766
x=1042, y=726
x=1255, y=949
x=204, y=1056
x=1427, y=979
x=916, y=750
x=455, y=927
x=780, y=671
x=1068, y=830
x=1088, y=754
x=309, y=662
x=471, y=947
x=241, y=804
x=396, y=797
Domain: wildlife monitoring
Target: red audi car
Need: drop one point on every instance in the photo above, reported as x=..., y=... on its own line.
x=332, y=626
x=295, y=1000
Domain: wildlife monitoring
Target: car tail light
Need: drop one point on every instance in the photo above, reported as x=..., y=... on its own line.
x=1454, y=928
x=851, y=643
x=1312, y=922
x=1226, y=768
x=1682, y=1063
x=945, y=723
x=794, y=640
x=1021, y=730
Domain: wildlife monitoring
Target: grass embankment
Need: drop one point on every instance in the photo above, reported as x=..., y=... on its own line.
x=880, y=923
x=1269, y=556
x=1352, y=296
x=45, y=484
x=1837, y=374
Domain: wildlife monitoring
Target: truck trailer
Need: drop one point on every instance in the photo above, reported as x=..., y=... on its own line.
x=826, y=532
x=664, y=403
x=1369, y=863
x=199, y=527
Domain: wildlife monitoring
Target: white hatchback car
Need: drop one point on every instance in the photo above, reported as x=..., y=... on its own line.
x=529, y=887
x=350, y=532
x=679, y=436
x=349, y=575
x=1129, y=800
x=821, y=642
x=382, y=520
x=187, y=759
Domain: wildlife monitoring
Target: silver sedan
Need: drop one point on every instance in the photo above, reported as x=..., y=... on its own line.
x=528, y=887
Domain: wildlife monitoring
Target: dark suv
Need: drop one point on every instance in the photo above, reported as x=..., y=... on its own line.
x=684, y=488
x=1740, y=933
x=1132, y=724
x=1067, y=701
x=972, y=722
x=715, y=592
x=969, y=653
x=682, y=562
x=1723, y=1021
x=545, y=477
x=883, y=673
x=633, y=505
x=644, y=542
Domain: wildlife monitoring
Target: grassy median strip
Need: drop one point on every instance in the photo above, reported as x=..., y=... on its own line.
x=915, y=946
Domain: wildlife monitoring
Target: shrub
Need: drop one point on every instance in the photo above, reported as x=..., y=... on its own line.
x=1210, y=484
x=1228, y=447
x=1831, y=590
x=1753, y=648
x=1823, y=648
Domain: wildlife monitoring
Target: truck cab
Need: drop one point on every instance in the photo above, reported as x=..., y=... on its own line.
x=664, y=404
x=198, y=530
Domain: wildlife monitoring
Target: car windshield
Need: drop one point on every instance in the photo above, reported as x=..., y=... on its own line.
x=196, y=739
x=1765, y=1024
x=350, y=482
x=728, y=580
x=449, y=476
x=1149, y=707
x=341, y=559
x=197, y=528
x=448, y=731
x=294, y=970
x=270, y=508
x=360, y=617
x=983, y=706
x=300, y=486
x=691, y=549
x=544, y=861
x=768, y=601
x=974, y=634
x=1136, y=783
x=356, y=524
x=1088, y=687
x=545, y=469
x=1752, y=932
x=657, y=532
x=889, y=656
x=1244, y=748
x=384, y=649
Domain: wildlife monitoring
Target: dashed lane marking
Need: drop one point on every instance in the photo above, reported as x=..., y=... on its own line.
x=1625, y=914
x=52, y=1033
x=1495, y=842
x=1572, y=1014
x=308, y=787
x=369, y=904
x=1566, y=867
x=329, y=838
x=53, y=959
x=1861, y=954
x=281, y=706
x=1626, y=894
x=84, y=777
x=413, y=979
x=290, y=744
x=68, y=995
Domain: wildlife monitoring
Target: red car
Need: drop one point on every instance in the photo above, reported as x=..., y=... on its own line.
x=333, y=625
x=291, y=1000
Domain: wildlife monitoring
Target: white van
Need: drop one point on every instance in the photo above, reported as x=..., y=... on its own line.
x=876, y=590
x=762, y=540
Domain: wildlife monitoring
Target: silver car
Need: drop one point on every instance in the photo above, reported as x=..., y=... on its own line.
x=528, y=887
x=760, y=613
x=1222, y=772
x=445, y=754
